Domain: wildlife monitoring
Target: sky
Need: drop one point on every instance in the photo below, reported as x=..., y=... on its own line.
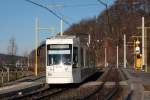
x=17, y=19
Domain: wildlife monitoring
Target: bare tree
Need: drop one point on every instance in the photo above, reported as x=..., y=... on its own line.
x=26, y=58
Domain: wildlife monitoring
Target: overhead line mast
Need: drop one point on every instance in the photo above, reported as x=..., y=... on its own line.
x=107, y=14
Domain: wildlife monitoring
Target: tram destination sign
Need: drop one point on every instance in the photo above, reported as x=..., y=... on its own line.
x=61, y=46
x=58, y=51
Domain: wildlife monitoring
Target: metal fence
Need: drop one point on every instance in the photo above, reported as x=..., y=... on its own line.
x=8, y=74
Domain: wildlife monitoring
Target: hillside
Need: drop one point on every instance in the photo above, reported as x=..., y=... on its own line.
x=124, y=18
x=9, y=59
x=107, y=31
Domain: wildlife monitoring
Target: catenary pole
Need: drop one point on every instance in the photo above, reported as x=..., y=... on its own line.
x=105, y=57
x=125, y=51
x=143, y=56
x=117, y=56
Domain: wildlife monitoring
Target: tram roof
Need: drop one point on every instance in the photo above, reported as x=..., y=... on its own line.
x=63, y=37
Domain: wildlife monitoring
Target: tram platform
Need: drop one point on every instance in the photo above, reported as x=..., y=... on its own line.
x=138, y=84
x=97, y=83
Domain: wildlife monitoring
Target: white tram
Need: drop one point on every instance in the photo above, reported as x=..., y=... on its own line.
x=68, y=60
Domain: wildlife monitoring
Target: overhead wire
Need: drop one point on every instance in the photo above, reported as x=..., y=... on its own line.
x=80, y=5
x=51, y=11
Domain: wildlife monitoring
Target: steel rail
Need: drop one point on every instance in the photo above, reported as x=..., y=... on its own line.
x=100, y=87
x=115, y=89
x=50, y=93
x=30, y=94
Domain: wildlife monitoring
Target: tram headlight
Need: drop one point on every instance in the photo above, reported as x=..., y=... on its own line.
x=66, y=68
x=50, y=69
x=49, y=74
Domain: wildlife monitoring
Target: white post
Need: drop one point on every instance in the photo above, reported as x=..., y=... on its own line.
x=145, y=43
x=61, y=27
x=117, y=56
x=105, y=57
x=125, y=51
x=28, y=62
x=89, y=38
x=2, y=77
x=143, y=56
x=7, y=74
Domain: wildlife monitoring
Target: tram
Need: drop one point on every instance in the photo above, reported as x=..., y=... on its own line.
x=68, y=60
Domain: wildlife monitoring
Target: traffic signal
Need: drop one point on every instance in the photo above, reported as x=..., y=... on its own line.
x=138, y=62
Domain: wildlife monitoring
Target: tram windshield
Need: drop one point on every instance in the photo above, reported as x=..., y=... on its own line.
x=59, y=54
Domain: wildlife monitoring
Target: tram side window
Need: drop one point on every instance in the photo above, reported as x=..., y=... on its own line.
x=82, y=64
x=75, y=56
x=87, y=58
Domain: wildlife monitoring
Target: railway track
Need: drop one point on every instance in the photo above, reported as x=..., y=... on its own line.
x=51, y=93
x=115, y=88
x=21, y=95
x=100, y=92
x=40, y=94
